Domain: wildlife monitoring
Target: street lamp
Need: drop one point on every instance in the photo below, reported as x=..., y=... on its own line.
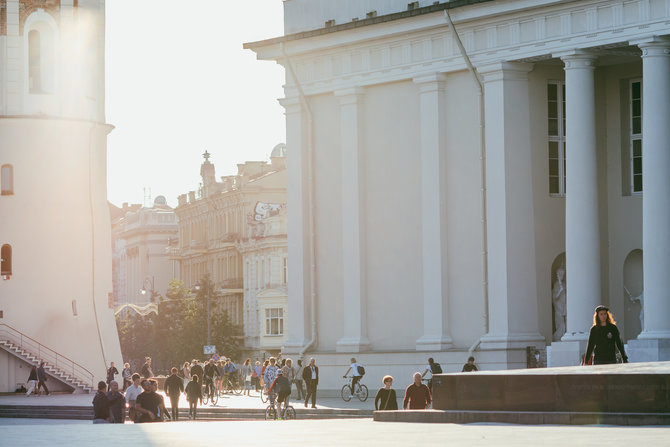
x=151, y=290
x=198, y=287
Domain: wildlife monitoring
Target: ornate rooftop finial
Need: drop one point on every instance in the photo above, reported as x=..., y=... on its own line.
x=206, y=155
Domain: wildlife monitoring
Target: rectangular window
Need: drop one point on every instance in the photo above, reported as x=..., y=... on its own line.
x=274, y=321
x=556, y=137
x=636, y=136
x=284, y=276
x=7, y=180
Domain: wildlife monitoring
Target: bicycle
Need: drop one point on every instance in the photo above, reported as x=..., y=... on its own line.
x=361, y=391
x=271, y=410
x=232, y=386
x=209, y=393
x=263, y=395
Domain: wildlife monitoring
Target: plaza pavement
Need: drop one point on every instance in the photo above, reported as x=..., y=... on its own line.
x=317, y=433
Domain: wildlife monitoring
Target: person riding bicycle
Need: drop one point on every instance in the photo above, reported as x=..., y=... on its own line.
x=281, y=387
x=210, y=373
x=357, y=372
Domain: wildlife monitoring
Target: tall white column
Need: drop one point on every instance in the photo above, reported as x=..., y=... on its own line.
x=513, y=321
x=432, y=105
x=582, y=231
x=297, y=198
x=656, y=187
x=354, y=266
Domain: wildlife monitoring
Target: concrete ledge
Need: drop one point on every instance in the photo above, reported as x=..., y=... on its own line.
x=522, y=417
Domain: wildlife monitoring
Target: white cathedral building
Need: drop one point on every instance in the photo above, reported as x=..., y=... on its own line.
x=474, y=176
x=56, y=286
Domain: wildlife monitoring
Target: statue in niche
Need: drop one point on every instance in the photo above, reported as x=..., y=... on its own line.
x=558, y=295
x=640, y=299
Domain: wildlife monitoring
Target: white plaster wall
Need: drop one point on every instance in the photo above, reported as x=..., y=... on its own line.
x=57, y=222
x=393, y=209
x=328, y=217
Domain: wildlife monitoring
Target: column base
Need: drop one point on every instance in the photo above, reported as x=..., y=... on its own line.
x=434, y=343
x=511, y=341
x=575, y=336
x=565, y=353
x=648, y=350
x=352, y=344
x=294, y=346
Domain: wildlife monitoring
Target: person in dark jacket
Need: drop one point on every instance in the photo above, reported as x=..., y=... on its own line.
x=193, y=394
x=117, y=407
x=101, y=404
x=146, y=371
x=311, y=377
x=386, y=398
x=111, y=373
x=197, y=370
x=42, y=379
x=174, y=386
x=604, y=338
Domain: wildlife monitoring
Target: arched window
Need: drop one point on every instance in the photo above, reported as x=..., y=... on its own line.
x=34, y=62
x=6, y=180
x=6, y=260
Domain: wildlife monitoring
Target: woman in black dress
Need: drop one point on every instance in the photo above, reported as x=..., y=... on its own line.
x=386, y=399
x=604, y=338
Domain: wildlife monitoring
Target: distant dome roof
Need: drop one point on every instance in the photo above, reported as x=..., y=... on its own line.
x=160, y=200
x=279, y=150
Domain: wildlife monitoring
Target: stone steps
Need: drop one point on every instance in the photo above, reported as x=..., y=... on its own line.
x=205, y=413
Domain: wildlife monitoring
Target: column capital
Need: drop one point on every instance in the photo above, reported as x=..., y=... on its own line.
x=653, y=46
x=430, y=83
x=352, y=95
x=577, y=59
x=291, y=105
x=504, y=70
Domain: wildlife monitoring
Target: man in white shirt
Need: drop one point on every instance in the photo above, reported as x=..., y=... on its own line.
x=132, y=392
x=356, y=374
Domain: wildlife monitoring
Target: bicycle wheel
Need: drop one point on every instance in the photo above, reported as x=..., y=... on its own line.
x=362, y=393
x=270, y=412
x=289, y=413
x=236, y=387
x=214, y=397
x=264, y=396
x=205, y=395
x=346, y=393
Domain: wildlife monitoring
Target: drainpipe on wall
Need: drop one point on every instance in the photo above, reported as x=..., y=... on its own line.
x=310, y=187
x=482, y=158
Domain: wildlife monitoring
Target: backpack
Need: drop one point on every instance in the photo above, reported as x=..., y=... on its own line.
x=436, y=368
x=361, y=370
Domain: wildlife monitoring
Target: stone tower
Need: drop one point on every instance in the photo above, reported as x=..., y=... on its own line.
x=54, y=218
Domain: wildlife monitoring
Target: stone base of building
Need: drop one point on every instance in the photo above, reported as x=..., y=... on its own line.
x=565, y=353
x=648, y=350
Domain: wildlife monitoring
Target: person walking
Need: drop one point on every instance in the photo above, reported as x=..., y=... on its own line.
x=42, y=379
x=298, y=380
x=101, y=404
x=127, y=375
x=289, y=371
x=132, y=392
x=186, y=372
x=386, y=394
x=174, y=386
x=111, y=373
x=256, y=375
x=117, y=408
x=311, y=377
x=417, y=395
x=270, y=374
x=32, y=380
x=193, y=395
x=146, y=371
x=247, y=373
x=604, y=339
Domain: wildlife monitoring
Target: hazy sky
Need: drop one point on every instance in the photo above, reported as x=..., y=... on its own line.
x=179, y=83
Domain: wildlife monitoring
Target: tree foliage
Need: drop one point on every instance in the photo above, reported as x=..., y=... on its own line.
x=179, y=331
